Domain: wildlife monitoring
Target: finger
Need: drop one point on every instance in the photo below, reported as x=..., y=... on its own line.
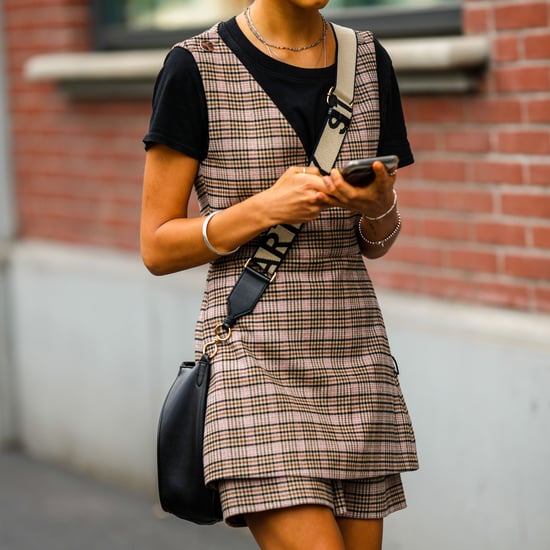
x=312, y=170
x=391, y=172
x=336, y=175
x=340, y=187
x=381, y=170
x=329, y=184
x=328, y=201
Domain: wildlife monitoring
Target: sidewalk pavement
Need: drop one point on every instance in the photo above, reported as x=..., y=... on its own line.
x=43, y=507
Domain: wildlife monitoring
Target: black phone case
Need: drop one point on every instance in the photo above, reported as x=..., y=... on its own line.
x=359, y=173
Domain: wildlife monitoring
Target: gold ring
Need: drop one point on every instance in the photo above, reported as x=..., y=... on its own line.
x=393, y=173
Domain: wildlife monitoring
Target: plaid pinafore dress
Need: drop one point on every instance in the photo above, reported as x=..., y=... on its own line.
x=306, y=385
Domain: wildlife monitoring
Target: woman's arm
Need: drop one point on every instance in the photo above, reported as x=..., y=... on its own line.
x=170, y=241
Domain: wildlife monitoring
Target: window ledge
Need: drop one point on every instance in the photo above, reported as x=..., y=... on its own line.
x=451, y=64
x=423, y=65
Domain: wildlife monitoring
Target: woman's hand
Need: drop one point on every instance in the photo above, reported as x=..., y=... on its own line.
x=298, y=196
x=380, y=222
x=372, y=200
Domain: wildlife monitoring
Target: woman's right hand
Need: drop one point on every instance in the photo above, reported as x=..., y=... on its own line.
x=298, y=196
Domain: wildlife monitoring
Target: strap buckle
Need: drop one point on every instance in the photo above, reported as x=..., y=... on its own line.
x=256, y=272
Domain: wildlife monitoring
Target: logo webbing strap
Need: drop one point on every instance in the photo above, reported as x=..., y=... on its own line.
x=261, y=268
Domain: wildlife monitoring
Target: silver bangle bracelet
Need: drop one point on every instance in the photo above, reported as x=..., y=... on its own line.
x=386, y=212
x=205, y=236
x=383, y=241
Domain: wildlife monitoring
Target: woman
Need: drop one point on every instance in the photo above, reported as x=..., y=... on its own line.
x=306, y=431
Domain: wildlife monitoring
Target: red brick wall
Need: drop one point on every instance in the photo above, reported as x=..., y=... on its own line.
x=78, y=165
x=476, y=205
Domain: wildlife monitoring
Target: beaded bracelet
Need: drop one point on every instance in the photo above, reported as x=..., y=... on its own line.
x=386, y=212
x=205, y=236
x=383, y=241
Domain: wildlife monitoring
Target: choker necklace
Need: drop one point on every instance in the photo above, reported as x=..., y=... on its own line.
x=269, y=46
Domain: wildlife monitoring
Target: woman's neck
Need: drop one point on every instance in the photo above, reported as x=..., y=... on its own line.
x=295, y=35
x=286, y=24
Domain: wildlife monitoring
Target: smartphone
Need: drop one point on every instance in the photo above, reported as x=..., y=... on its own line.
x=359, y=173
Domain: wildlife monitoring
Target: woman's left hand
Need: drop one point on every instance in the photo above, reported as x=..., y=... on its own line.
x=372, y=200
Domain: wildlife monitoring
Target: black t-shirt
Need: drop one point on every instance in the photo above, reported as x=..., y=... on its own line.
x=180, y=118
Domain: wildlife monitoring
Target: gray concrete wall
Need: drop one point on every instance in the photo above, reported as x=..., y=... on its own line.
x=98, y=341
x=476, y=382
x=8, y=416
x=7, y=230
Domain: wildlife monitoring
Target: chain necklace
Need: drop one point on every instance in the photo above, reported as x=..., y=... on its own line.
x=321, y=53
x=268, y=45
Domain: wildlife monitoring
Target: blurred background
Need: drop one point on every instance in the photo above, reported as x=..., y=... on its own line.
x=90, y=342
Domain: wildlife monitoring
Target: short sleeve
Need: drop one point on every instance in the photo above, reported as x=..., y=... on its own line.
x=179, y=116
x=393, y=132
